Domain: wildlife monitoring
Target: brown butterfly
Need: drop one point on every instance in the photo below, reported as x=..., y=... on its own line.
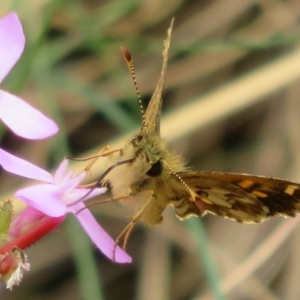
x=146, y=176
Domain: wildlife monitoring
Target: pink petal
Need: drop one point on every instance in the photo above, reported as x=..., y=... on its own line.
x=21, y=167
x=69, y=183
x=43, y=197
x=23, y=119
x=79, y=195
x=101, y=239
x=12, y=42
x=60, y=171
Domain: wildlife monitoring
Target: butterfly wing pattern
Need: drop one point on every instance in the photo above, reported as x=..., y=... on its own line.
x=240, y=197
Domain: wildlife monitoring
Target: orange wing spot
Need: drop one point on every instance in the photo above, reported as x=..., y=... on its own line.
x=260, y=194
x=291, y=189
x=246, y=184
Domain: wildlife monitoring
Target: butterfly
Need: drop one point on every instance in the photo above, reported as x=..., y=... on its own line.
x=145, y=175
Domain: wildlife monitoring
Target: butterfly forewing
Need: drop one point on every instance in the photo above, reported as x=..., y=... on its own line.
x=241, y=197
x=152, y=115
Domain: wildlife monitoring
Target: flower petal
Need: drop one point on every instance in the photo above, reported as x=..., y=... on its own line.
x=23, y=119
x=60, y=172
x=43, y=197
x=12, y=42
x=21, y=167
x=101, y=239
x=69, y=183
x=78, y=195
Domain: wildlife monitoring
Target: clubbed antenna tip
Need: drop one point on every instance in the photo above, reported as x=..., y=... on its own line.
x=126, y=54
x=130, y=65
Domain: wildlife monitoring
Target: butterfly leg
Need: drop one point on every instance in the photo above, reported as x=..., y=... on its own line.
x=128, y=229
x=101, y=201
x=105, y=151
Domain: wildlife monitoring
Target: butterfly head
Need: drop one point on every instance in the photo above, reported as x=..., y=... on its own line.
x=152, y=151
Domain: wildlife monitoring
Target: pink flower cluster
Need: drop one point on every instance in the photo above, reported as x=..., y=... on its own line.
x=55, y=196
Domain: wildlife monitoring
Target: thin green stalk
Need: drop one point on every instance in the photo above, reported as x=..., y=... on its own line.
x=87, y=269
x=197, y=230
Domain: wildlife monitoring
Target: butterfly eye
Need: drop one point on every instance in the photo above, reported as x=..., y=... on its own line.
x=156, y=169
x=139, y=138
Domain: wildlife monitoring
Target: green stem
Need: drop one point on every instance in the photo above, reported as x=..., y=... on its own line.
x=198, y=232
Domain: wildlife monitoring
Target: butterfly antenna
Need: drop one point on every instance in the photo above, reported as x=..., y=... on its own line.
x=129, y=61
x=192, y=193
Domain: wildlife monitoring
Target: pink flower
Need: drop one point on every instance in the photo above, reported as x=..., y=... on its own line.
x=20, y=117
x=59, y=195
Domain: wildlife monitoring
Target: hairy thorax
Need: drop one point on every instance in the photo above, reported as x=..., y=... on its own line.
x=146, y=177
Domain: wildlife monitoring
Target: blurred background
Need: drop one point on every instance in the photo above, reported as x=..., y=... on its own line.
x=231, y=104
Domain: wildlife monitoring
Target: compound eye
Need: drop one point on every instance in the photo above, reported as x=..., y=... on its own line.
x=156, y=169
